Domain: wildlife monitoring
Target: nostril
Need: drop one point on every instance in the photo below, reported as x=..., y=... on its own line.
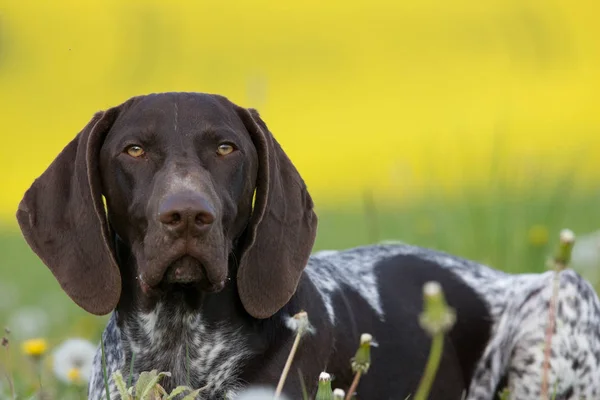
x=170, y=218
x=174, y=218
x=204, y=218
x=181, y=211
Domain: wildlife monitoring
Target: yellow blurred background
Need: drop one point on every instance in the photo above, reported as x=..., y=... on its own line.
x=390, y=96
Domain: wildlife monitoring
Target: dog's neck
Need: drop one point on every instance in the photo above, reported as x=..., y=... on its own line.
x=202, y=342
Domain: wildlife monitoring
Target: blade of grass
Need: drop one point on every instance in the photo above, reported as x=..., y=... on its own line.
x=104, y=371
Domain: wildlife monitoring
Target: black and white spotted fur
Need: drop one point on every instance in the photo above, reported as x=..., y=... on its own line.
x=518, y=305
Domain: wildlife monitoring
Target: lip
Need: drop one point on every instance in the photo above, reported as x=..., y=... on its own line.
x=186, y=272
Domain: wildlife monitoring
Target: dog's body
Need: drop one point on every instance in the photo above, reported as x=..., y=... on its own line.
x=203, y=280
x=341, y=293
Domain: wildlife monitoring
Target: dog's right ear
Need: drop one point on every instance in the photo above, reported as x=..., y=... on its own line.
x=63, y=220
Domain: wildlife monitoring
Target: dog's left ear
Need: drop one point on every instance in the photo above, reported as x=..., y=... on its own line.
x=282, y=229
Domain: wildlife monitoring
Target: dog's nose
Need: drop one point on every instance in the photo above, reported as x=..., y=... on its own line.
x=181, y=212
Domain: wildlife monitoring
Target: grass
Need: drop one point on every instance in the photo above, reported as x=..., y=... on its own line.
x=514, y=232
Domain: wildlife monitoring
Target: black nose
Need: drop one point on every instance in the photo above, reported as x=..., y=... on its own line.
x=181, y=212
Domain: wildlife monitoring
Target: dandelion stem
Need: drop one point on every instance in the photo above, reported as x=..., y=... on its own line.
x=549, y=334
x=354, y=385
x=9, y=374
x=288, y=364
x=39, y=370
x=104, y=372
x=561, y=260
x=435, y=354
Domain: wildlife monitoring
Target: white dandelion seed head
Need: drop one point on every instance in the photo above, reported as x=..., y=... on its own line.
x=300, y=324
x=258, y=393
x=29, y=322
x=339, y=393
x=432, y=289
x=74, y=353
x=366, y=338
x=567, y=236
x=324, y=376
x=9, y=296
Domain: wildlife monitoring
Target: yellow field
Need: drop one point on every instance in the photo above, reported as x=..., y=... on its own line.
x=389, y=95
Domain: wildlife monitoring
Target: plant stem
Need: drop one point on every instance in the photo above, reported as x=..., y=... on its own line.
x=302, y=385
x=435, y=355
x=9, y=374
x=549, y=333
x=354, y=385
x=104, y=372
x=288, y=364
x=131, y=370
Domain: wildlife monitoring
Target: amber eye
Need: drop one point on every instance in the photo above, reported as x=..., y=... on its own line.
x=135, y=151
x=225, y=149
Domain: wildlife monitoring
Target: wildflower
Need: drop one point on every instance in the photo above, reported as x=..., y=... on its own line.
x=538, y=235
x=324, y=389
x=562, y=257
x=9, y=296
x=300, y=324
x=338, y=394
x=73, y=360
x=362, y=360
x=436, y=319
x=35, y=348
x=437, y=315
x=29, y=322
x=258, y=393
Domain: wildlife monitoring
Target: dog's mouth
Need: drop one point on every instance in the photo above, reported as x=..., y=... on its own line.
x=186, y=273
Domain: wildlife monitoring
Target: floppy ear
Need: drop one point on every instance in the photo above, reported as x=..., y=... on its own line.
x=282, y=228
x=63, y=220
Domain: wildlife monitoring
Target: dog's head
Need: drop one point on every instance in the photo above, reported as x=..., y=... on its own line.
x=179, y=173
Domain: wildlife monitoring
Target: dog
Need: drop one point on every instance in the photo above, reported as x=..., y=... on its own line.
x=182, y=216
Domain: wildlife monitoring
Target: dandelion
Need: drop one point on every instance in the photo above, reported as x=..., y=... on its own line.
x=538, y=235
x=9, y=296
x=258, y=393
x=34, y=348
x=72, y=361
x=324, y=389
x=29, y=322
x=339, y=394
x=560, y=261
x=360, y=362
x=301, y=325
x=436, y=319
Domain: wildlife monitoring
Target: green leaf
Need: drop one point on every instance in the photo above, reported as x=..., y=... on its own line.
x=149, y=387
x=118, y=378
x=144, y=379
x=178, y=390
x=193, y=395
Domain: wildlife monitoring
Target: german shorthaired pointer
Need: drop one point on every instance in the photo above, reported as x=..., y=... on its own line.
x=201, y=251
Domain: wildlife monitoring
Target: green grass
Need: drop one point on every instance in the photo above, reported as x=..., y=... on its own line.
x=491, y=228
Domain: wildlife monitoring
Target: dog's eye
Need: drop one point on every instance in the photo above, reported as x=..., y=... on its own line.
x=135, y=151
x=225, y=149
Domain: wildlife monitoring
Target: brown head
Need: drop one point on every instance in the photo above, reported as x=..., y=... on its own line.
x=178, y=172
